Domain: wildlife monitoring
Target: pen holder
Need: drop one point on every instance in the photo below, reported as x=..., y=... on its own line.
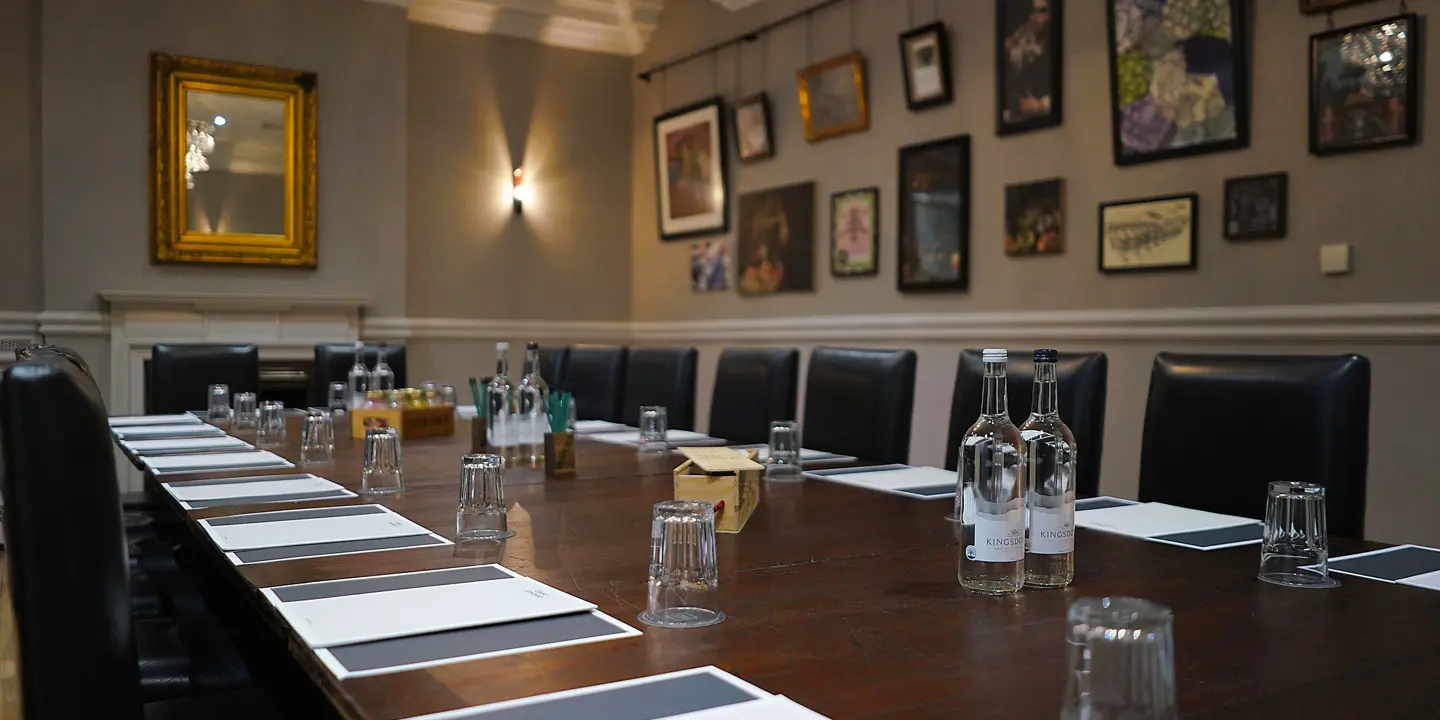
x=560, y=454
x=479, y=435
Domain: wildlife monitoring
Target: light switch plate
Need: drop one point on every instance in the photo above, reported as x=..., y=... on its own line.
x=1335, y=259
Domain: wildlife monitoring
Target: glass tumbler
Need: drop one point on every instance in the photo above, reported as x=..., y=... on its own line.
x=684, y=587
x=1295, y=551
x=653, y=438
x=1121, y=661
x=317, y=437
x=272, y=423
x=447, y=395
x=339, y=397
x=219, y=409
x=783, y=462
x=481, y=514
x=246, y=417
x=382, y=474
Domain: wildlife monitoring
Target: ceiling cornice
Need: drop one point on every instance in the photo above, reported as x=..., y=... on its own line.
x=617, y=27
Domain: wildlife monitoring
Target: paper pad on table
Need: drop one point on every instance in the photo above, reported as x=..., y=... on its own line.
x=278, y=528
x=762, y=453
x=1147, y=520
x=633, y=437
x=585, y=427
x=133, y=432
x=139, y=420
x=254, y=489
x=217, y=442
x=923, y=482
x=207, y=462
x=1401, y=563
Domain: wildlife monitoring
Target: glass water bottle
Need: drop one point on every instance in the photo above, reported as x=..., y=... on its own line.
x=382, y=378
x=358, y=380
x=532, y=399
x=1049, y=481
x=500, y=402
x=991, y=501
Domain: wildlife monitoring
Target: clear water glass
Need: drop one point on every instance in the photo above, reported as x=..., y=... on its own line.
x=653, y=425
x=219, y=408
x=1295, y=551
x=784, y=460
x=272, y=423
x=430, y=391
x=317, y=437
x=684, y=587
x=481, y=514
x=246, y=417
x=382, y=474
x=1121, y=660
x=447, y=395
x=339, y=397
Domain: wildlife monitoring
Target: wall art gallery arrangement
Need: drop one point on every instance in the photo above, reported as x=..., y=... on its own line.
x=1179, y=81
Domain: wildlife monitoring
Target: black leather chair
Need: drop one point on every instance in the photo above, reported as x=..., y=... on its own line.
x=858, y=402
x=1082, y=379
x=552, y=365
x=753, y=387
x=332, y=365
x=595, y=374
x=1219, y=428
x=661, y=376
x=181, y=375
x=34, y=351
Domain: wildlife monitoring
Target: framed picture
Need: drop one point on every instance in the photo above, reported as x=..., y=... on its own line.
x=1310, y=7
x=934, y=247
x=1179, y=78
x=925, y=58
x=1029, y=74
x=1035, y=218
x=832, y=97
x=855, y=232
x=1256, y=207
x=754, y=134
x=692, y=191
x=710, y=266
x=1364, y=93
x=777, y=240
x=1150, y=234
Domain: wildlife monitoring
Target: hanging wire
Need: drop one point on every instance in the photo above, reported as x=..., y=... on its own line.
x=1330, y=19
x=809, y=54
x=740, y=70
x=852, y=25
x=765, y=64
x=716, y=57
x=1404, y=7
x=664, y=86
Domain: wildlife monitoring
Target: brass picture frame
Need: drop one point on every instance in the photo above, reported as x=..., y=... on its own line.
x=832, y=97
x=173, y=237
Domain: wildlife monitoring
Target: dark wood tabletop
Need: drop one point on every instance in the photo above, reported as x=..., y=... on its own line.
x=846, y=601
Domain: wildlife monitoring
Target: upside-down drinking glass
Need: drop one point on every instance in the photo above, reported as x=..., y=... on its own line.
x=272, y=423
x=317, y=437
x=1295, y=551
x=382, y=474
x=684, y=587
x=219, y=408
x=1121, y=660
x=481, y=514
x=784, y=457
x=245, y=417
x=339, y=397
x=653, y=424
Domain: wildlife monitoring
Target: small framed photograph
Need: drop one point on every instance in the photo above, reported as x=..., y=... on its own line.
x=754, y=134
x=934, y=216
x=832, y=97
x=1035, y=218
x=925, y=58
x=710, y=266
x=1364, y=92
x=1029, y=69
x=854, y=232
x=1311, y=7
x=1149, y=234
x=1256, y=207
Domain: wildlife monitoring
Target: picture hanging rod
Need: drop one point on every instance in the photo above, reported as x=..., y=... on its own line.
x=748, y=37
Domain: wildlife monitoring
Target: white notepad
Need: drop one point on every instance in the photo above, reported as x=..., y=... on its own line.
x=775, y=707
x=155, y=431
x=218, y=442
x=259, y=487
x=206, y=462
x=367, y=616
x=306, y=529
x=762, y=453
x=1429, y=581
x=922, y=482
x=585, y=427
x=139, y=420
x=1147, y=520
x=632, y=437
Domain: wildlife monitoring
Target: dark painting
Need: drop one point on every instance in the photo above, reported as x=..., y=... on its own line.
x=1255, y=207
x=776, y=242
x=1034, y=218
x=1029, y=64
x=934, y=211
x=1362, y=93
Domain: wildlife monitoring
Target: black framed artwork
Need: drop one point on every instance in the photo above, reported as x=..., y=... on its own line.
x=934, y=223
x=925, y=60
x=754, y=131
x=1149, y=234
x=1179, y=78
x=855, y=232
x=1311, y=7
x=775, y=241
x=1029, y=65
x=1256, y=207
x=1364, y=88
x=691, y=188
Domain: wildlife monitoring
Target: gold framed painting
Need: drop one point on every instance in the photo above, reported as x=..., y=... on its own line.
x=832, y=97
x=232, y=159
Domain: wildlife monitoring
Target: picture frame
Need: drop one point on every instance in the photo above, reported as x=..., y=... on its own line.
x=1256, y=207
x=710, y=266
x=1178, y=93
x=1354, y=101
x=1029, y=65
x=933, y=247
x=775, y=240
x=1035, y=218
x=833, y=97
x=754, y=129
x=1315, y=7
x=1149, y=234
x=855, y=232
x=692, y=188
x=925, y=65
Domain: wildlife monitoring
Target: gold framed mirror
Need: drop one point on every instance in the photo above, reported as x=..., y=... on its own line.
x=233, y=163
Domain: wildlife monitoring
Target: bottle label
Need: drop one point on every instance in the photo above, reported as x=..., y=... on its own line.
x=1052, y=530
x=999, y=537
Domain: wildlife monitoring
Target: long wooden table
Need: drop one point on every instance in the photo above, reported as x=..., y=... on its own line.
x=846, y=601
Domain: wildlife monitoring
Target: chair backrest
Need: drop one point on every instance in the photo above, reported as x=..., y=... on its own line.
x=661, y=376
x=858, y=402
x=34, y=351
x=753, y=387
x=181, y=375
x=552, y=365
x=1219, y=428
x=333, y=361
x=1081, y=392
x=65, y=545
x=595, y=374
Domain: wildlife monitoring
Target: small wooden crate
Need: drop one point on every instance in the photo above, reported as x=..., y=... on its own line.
x=411, y=422
x=735, y=480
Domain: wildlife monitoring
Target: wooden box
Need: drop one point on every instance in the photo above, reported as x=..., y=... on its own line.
x=716, y=474
x=412, y=423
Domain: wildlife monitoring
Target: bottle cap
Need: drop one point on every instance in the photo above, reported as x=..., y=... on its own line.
x=532, y=346
x=359, y=344
x=993, y=355
x=502, y=346
x=1047, y=356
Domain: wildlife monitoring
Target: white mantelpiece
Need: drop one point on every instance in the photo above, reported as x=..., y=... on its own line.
x=284, y=327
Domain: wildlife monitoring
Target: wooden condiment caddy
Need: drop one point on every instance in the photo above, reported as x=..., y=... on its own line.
x=721, y=474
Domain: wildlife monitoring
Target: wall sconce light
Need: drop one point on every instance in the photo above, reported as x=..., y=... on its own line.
x=520, y=192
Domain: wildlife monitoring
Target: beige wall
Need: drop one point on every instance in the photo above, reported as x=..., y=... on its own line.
x=479, y=105
x=97, y=89
x=22, y=286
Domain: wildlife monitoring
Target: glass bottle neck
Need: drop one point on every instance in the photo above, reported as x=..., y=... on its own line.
x=502, y=365
x=994, y=399
x=1045, y=396
x=380, y=358
x=359, y=356
x=532, y=362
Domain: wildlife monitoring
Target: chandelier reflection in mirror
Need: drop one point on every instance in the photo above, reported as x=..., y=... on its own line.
x=199, y=142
